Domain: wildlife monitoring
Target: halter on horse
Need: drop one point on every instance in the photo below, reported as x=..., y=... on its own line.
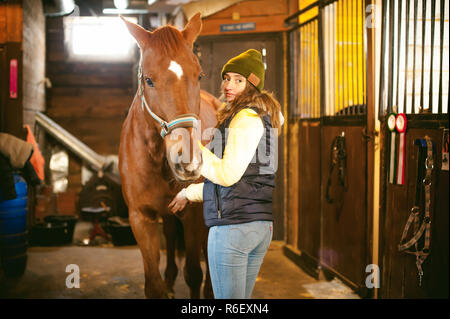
x=184, y=120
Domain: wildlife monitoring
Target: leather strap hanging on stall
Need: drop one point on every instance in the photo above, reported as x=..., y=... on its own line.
x=338, y=155
x=425, y=165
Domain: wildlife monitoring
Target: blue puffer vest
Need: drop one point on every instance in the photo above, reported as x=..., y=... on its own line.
x=250, y=199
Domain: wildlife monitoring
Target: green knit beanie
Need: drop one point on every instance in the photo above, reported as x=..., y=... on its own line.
x=250, y=65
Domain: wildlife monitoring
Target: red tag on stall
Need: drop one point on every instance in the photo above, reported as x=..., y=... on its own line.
x=13, y=79
x=400, y=125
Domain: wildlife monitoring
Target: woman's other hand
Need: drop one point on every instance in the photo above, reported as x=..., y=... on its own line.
x=179, y=202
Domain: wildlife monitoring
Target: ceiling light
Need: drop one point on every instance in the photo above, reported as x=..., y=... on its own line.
x=121, y=4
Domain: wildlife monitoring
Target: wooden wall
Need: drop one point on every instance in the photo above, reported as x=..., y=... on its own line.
x=88, y=99
x=11, y=21
x=33, y=60
x=11, y=17
x=268, y=16
x=22, y=37
x=293, y=169
x=309, y=185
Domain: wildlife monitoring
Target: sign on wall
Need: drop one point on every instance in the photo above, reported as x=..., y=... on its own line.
x=248, y=26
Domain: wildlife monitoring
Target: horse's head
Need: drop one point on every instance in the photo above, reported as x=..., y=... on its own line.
x=169, y=92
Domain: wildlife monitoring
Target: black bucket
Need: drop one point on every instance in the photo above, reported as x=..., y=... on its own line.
x=49, y=234
x=121, y=233
x=70, y=220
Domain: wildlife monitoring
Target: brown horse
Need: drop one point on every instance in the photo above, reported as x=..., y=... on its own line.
x=168, y=104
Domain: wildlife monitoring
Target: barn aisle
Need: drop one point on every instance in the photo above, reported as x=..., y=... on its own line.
x=359, y=165
x=108, y=272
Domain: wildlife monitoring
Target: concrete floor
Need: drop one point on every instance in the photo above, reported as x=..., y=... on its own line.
x=117, y=272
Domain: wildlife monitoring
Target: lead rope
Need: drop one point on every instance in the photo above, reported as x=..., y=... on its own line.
x=425, y=227
x=338, y=155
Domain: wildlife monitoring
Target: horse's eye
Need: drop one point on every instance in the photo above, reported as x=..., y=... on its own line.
x=201, y=76
x=149, y=82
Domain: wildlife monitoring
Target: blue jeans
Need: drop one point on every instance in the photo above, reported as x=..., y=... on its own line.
x=235, y=255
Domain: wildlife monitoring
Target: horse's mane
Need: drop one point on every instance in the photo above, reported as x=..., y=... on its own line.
x=167, y=40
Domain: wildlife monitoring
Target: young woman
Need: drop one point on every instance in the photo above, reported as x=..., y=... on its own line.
x=239, y=178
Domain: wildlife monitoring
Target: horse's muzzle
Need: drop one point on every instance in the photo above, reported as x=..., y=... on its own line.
x=187, y=171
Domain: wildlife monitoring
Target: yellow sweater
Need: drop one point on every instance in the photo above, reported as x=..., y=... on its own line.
x=244, y=134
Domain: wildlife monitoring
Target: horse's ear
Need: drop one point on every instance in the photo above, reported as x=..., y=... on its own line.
x=138, y=32
x=192, y=28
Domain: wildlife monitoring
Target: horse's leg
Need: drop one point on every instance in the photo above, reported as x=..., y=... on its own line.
x=145, y=230
x=170, y=228
x=207, y=288
x=193, y=273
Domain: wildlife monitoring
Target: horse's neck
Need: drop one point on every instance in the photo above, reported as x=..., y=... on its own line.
x=146, y=136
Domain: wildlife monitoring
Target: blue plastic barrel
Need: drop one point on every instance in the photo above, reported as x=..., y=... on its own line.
x=13, y=230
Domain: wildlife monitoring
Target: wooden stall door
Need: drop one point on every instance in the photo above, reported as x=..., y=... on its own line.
x=328, y=66
x=344, y=223
x=214, y=52
x=420, y=92
x=399, y=271
x=309, y=210
x=309, y=109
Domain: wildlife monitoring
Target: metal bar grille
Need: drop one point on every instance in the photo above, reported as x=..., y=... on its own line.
x=405, y=96
x=422, y=71
x=441, y=40
x=383, y=71
x=305, y=63
x=354, y=67
x=294, y=38
x=414, y=58
x=308, y=71
x=344, y=58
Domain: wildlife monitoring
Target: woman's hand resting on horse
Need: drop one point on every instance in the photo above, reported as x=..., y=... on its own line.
x=179, y=202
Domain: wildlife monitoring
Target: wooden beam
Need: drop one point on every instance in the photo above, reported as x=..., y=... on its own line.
x=268, y=16
x=262, y=24
x=207, y=7
x=11, y=21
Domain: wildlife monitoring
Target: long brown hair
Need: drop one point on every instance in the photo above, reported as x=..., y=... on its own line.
x=265, y=102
